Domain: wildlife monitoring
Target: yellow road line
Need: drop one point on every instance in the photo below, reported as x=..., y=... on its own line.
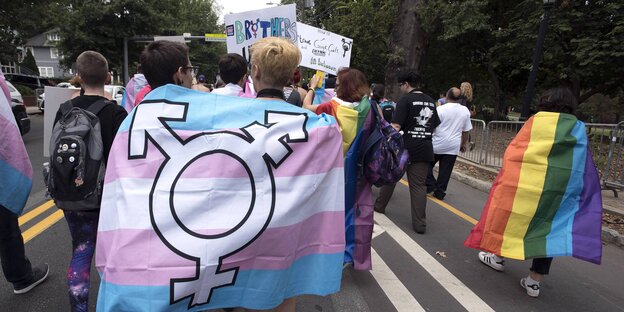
x=448, y=207
x=42, y=226
x=35, y=212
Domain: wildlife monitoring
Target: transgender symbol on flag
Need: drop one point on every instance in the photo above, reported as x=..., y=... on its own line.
x=257, y=147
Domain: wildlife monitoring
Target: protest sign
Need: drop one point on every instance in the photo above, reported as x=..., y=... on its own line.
x=245, y=28
x=323, y=50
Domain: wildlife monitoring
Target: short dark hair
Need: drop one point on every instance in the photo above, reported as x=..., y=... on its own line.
x=379, y=91
x=352, y=85
x=558, y=100
x=409, y=76
x=161, y=59
x=92, y=68
x=232, y=67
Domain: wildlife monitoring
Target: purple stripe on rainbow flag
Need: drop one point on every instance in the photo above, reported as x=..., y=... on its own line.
x=586, y=230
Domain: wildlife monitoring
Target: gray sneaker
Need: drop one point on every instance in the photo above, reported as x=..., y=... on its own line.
x=39, y=276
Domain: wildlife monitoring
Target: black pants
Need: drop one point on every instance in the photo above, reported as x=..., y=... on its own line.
x=541, y=265
x=439, y=185
x=15, y=266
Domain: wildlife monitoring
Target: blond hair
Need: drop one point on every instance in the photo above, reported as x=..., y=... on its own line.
x=466, y=90
x=277, y=59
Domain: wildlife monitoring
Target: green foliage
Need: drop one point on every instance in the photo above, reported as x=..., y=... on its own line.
x=24, y=90
x=92, y=25
x=30, y=63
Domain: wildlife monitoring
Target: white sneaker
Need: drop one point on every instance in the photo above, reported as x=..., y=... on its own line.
x=532, y=290
x=493, y=261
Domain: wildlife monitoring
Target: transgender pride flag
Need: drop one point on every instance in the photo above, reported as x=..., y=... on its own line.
x=213, y=201
x=15, y=169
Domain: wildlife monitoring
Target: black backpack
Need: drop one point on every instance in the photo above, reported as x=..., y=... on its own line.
x=75, y=173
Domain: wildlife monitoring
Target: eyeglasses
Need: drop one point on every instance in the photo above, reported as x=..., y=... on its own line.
x=194, y=69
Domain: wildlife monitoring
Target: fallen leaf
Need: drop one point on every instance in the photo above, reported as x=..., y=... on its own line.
x=441, y=254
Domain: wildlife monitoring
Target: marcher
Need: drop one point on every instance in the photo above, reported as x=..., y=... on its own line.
x=15, y=185
x=449, y=138
x=136, y=83
x=556, y=211
x=292, y=92
x=441, y=100
x=351, y=108
x=233, y=71
x=199, y=84
x=387, y=107
x=417, y=117
x=92, y=68
x=466, y=97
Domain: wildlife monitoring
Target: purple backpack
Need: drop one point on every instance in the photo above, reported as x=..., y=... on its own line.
x=384, y=159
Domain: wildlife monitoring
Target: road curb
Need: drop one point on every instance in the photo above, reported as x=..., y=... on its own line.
x=608, y=235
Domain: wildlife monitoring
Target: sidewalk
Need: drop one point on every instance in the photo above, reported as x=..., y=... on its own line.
x=610, y=203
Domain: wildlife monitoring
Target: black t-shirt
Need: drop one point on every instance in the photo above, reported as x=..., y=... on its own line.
x=463, y=100
x=416, y=114
x=111, y=117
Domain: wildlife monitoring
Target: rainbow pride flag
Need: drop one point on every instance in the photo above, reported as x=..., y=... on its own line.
x=15, y=168
x=546, y=200
x=356, y=125
x=213, y=201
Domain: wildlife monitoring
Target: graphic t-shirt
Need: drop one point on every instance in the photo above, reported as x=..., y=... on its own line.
x=416, y=114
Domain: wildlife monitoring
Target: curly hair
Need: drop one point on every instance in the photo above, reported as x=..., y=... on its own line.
x=466, y=90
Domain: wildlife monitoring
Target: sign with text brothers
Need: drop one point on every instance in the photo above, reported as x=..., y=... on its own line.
x=245, y=28
x=213, y=201
x=323, y=50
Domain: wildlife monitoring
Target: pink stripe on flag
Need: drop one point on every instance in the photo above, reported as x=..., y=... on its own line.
x=12, y=149
x=307, y=159
x=154, y=264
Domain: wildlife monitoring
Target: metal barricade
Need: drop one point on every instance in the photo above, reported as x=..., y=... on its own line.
x=613, y=175
x=498, y=135
x=477, y=138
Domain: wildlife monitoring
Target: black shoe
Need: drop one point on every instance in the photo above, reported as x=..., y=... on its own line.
x=39, y=276
x=420, y=229
x=439, y=195
x=380, y=210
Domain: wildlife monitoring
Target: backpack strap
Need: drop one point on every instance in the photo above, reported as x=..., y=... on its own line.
x=97, y=106
x=66, y=107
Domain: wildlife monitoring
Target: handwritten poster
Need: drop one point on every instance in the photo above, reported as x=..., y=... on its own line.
x=245, y=28
x=323, y=50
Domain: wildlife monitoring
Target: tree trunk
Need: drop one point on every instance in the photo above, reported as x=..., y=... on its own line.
x=499, y=96
x=407, y=46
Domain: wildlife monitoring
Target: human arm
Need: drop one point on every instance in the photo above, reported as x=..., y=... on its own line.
x=309, y=97
x=464, y=141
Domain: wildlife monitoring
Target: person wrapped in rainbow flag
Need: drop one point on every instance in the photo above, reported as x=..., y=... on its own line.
x=546, y=200
x=351, y=108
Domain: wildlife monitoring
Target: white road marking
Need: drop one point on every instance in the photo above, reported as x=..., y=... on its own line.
x=377, y=230
x=452, y=284
x=397, y=293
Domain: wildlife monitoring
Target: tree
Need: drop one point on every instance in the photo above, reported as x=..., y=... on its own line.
x=91, y=25
x=30, y=63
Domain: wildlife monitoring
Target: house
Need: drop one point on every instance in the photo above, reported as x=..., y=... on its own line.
x=47, y=56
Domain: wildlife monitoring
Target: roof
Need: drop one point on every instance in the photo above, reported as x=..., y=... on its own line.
x=41, y=40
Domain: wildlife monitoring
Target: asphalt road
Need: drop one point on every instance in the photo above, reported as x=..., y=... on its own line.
x=411, y=272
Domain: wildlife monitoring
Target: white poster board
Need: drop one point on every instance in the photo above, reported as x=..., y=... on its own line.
x=323, y=50
x=245, y=28
x=53, y=98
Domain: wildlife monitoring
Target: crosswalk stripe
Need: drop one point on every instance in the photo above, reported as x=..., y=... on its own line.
x=452, y=284
x=396, y=292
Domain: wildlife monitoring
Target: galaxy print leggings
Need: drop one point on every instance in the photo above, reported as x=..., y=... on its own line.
x=83, y=230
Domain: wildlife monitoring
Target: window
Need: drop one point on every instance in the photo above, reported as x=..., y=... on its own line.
x=46, y=72
x=54, y=37
x=54, y=53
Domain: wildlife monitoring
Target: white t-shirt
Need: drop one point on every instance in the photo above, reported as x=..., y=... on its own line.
x=454, y=119
x=229, y=89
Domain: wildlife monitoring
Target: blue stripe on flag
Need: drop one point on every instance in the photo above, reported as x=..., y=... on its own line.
x=14, y=188
x=318, y=274
x=559, y=240
x=206, y=106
